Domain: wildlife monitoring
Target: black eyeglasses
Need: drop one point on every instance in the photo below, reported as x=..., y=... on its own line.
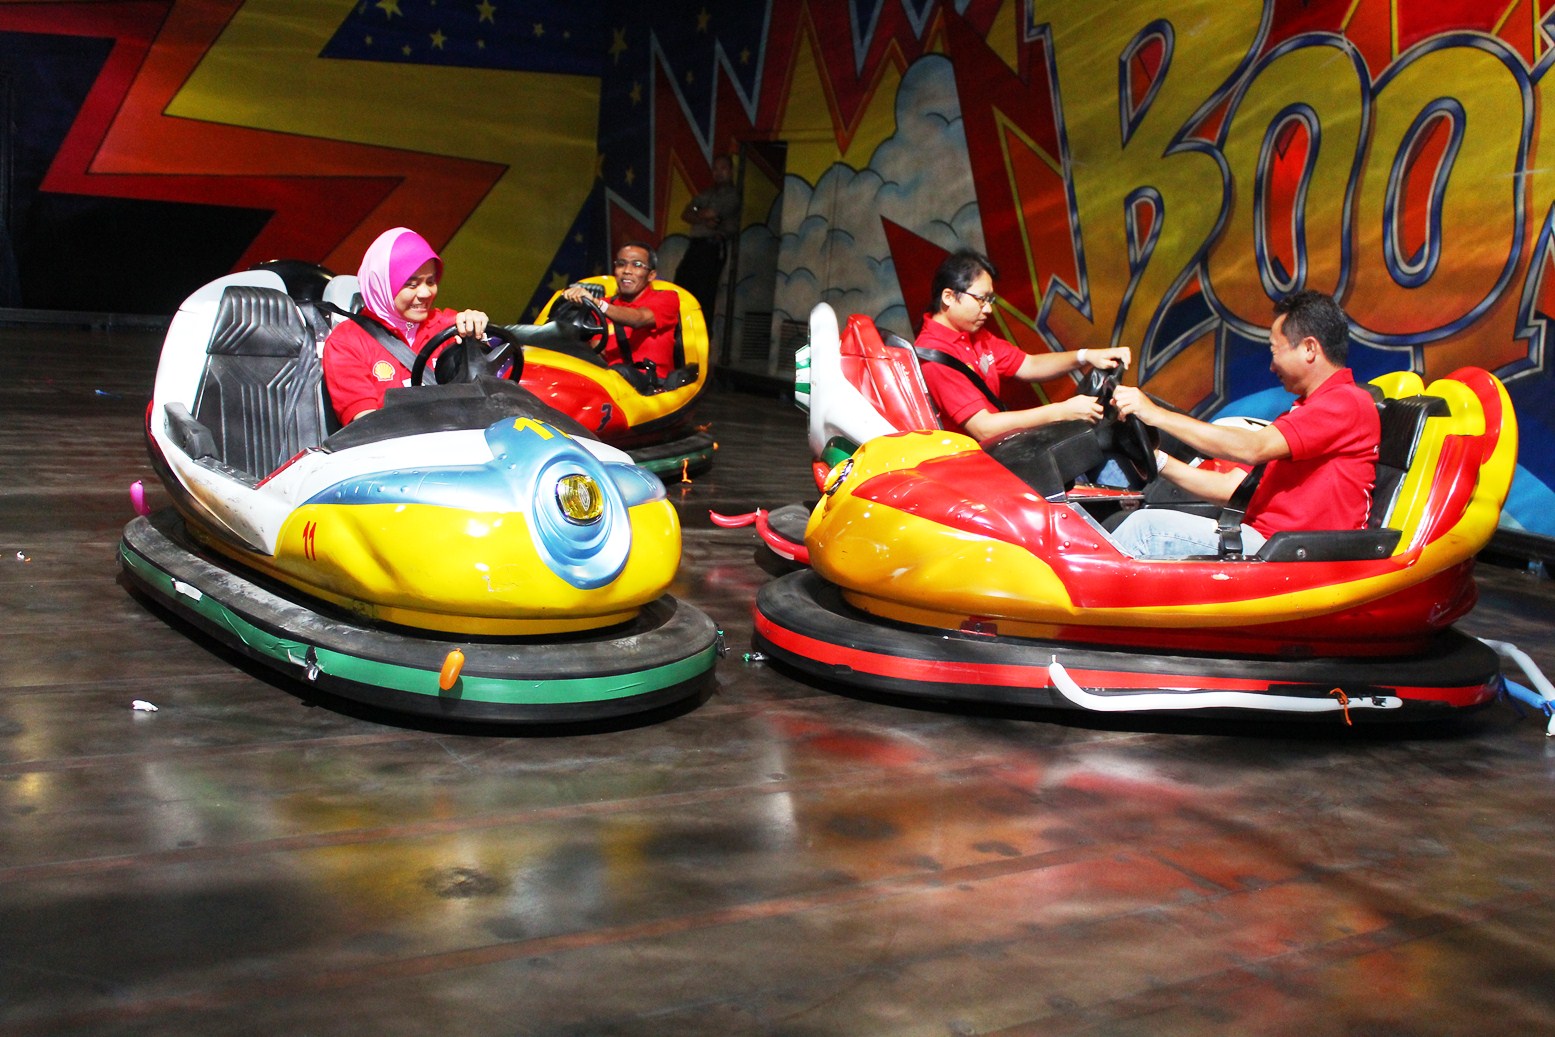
x=982, y=300
x=635, y=264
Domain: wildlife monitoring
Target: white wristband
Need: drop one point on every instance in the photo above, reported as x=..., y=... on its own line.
x=1080, y=356
x=1161, y=457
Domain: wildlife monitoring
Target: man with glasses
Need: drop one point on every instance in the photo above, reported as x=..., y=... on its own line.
x=965, y=362
x=639, y=340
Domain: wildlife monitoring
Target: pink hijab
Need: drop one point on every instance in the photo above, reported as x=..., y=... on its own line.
x=387, y=264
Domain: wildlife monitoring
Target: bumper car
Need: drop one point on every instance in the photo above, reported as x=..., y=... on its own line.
x=653, y=419
x=953, y=570
x=465, y=552
x=855, y=386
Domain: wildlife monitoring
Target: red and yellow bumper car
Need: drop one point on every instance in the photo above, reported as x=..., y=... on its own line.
x=952, y=570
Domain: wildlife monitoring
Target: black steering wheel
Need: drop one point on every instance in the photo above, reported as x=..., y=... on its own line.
x=587, y=318
x=469, y=358
x=1129, y=441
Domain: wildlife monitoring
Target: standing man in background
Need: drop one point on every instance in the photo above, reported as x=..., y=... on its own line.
x=714, y=218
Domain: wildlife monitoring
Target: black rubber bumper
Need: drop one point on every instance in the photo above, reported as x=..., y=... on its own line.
x=804, y=623
x=664, y=657
x=690, y=454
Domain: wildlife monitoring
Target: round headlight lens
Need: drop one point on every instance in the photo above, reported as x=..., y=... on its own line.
x=580, y=499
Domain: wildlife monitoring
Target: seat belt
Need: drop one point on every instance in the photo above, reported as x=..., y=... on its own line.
x=936, y=356
x=648, y=381
x=382, y=335
x=622, y=344
x=1229, y=524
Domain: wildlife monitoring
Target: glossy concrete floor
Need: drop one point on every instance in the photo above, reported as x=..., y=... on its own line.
x=779, y=860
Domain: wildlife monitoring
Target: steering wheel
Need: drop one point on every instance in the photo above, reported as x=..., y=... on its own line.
x=469, y=359
x=586, y=318
x=1130, y=441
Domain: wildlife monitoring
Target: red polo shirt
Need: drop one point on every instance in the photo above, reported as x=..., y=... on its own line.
x=988, y=355
x=656, y=342
x=1326, y=482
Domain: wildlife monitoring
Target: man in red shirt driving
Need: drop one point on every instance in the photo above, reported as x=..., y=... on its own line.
x=1320, y=456
x=639, y=340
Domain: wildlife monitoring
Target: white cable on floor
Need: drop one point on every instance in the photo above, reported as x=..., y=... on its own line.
x=1541, y=683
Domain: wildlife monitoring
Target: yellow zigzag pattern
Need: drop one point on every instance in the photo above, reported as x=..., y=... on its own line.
x=264, y=73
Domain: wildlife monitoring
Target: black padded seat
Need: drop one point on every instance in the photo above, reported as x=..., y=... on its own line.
x=260, y=398
x=1329, y=545
x=304, y=281
x=1403, y=421
x=680, y=375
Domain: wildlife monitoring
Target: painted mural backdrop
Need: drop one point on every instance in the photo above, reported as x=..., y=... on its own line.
x=1149, y=173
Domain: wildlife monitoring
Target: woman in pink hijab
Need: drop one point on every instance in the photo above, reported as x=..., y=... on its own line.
x=398, y=281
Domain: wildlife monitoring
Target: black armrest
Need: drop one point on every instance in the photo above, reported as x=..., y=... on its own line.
x=1329, y=545
x=682, y=376
x=191, y=437
x=1163, y=493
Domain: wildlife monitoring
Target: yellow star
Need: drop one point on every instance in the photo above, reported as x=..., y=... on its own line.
x=405, y=50
x=480, y=44
x=702, y=19
x=637, y=93
x=690, y=77
x=488, y=13
x=577, y=239
x=438, y=39
x=617, y=45
x=539, y=30
x=631, y=176
x=745, y=56
x=390, y=8
x=559, y=281
x=368, y=41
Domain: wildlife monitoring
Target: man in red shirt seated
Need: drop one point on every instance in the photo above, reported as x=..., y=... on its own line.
x=1320, y=456
x=967, y=396
x=639, y=340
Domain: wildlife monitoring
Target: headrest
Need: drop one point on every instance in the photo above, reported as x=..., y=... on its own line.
x=1402, y=422
x=344, y=291
x=303, y=280
x=252, y=321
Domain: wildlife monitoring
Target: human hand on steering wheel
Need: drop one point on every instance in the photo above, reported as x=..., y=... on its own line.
x=478, y=359
x=1136, y=439
x=470, y=323
x=1133, y=402
x=1080, y=407
x=1113, y=358
x=587, y=314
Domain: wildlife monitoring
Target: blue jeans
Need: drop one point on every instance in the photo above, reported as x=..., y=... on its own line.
x=1165, y=533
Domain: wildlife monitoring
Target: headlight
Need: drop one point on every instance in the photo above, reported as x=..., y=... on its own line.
x=580, y=498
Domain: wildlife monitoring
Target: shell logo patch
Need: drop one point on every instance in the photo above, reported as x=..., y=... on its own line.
x=383, y=371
